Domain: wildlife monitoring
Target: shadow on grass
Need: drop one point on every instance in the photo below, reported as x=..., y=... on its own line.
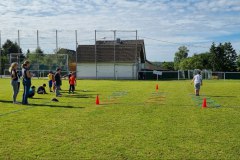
x=55, y=106
x=44, y=105
x=79, y=96
x=224, y=96
x=78, y=91
x=83, y=90
x=36, y=98
x=5, y=101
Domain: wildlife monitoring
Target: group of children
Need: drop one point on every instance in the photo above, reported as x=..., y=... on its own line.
x=40, y=90
x=54, y=82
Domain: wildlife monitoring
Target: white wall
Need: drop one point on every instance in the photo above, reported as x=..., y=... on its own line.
x=125, y=71
x=106, y=71
x=86, y=70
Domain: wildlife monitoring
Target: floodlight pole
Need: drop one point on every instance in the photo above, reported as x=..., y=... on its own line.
x=37, y=40
x=137, y=63
x=96, y=52
x=56, y=41
x=114, y=53
x=37, y=53
x=19, y=47
x=0, y=53
x=76, y=50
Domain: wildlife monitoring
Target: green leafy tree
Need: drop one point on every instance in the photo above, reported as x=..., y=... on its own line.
x=214, y=58
x=167, y=65
x=201, y=61
x=10, y=47
x=71, y=54
x=197, y=61
x=186, y=64
x=180, y=55
x=27, y=54
x=217, y=57
x=230, y=58
x=238, y=63
x=36, y=57
x=7, y=48
x=223, y=57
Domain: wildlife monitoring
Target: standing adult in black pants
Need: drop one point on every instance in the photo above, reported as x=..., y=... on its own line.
x=26, y=81
x=58, y=82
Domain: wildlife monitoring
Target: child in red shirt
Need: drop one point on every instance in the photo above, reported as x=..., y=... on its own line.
x=72, y=83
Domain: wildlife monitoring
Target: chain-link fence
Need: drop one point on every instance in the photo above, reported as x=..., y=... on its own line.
x=53, y=44
x=189, y=74
x=60, y=49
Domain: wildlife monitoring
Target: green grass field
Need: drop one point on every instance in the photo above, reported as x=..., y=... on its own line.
x=133, y=121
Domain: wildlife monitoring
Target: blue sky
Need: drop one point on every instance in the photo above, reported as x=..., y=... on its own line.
x=163, y=24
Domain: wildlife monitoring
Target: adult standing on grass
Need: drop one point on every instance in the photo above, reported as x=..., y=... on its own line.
x=26, y=81
x=197, y=79
x=58, y=81
x=14, y=80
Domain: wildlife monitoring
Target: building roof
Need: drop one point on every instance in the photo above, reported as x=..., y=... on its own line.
x=125, y=51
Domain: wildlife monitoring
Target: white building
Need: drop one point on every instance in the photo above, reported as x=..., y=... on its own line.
x=111, y=59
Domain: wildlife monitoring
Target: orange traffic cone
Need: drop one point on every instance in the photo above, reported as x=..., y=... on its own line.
x=156, y=87
x=97, y=100
x=204, y=104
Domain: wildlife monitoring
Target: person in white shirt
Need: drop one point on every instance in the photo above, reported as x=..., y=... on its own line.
x=197, y=79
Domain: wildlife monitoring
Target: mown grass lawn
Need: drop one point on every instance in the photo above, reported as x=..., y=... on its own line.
x=133, y=121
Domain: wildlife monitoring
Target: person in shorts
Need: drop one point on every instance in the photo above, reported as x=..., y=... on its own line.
x=197, y=79
x=50, y=80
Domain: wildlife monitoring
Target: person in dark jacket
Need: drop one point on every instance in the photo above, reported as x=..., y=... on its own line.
x=41, y=89
x=58, y=81
x=26, y=81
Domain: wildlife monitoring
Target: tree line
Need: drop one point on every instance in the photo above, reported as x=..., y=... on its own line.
x=221, y=57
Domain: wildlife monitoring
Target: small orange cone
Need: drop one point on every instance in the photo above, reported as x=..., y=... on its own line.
x=156, y=87
x=97, y=100
x=204, y=104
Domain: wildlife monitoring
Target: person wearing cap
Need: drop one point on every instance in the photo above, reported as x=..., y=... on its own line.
x=58, y=81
